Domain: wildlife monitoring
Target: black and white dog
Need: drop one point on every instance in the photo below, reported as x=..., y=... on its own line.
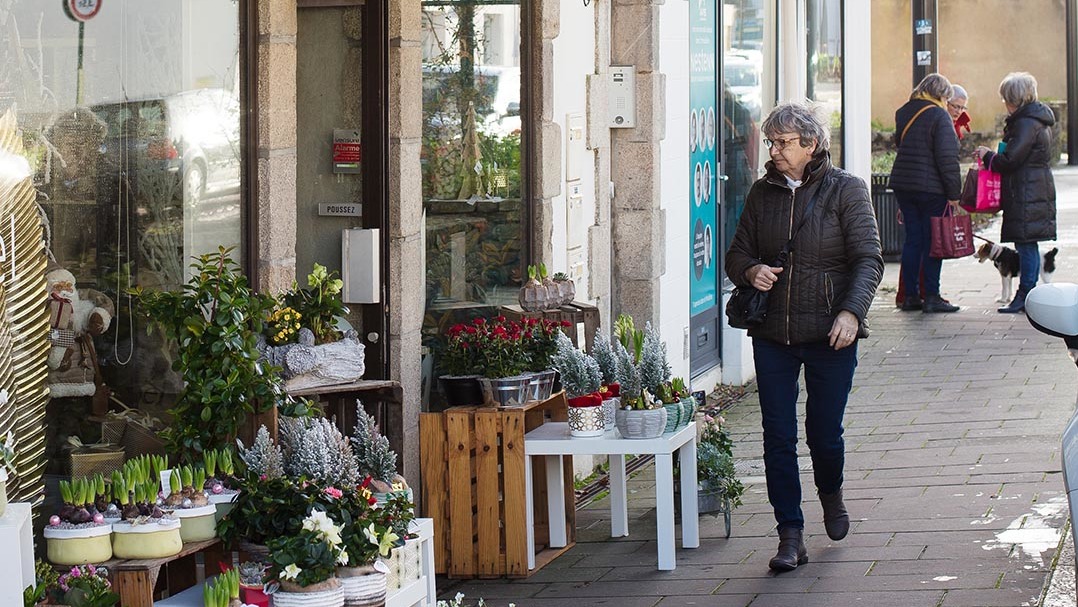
x=1006, y=261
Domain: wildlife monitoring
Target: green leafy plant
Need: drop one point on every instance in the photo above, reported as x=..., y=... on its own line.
x=222, y=590
x=46, y=583
x=541, y=342
x=715, y=460
x=266, y=509
x=215, y=321
x=311, y=555
x=87, y=586
x=318, y=305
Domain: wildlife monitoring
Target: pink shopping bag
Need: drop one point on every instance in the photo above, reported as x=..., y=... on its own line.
x=981, y=191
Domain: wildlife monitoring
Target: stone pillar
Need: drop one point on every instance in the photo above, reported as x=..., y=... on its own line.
x=638, y=221
x=405, y=280
x=598, y=139
x=276, y=143
x=547, y=162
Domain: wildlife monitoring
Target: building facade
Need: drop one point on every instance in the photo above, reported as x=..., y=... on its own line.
x=612, y=141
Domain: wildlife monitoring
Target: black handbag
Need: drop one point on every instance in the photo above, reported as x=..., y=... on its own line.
x=747, y=308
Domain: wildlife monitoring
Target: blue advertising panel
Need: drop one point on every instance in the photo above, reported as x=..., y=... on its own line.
x=703, y=143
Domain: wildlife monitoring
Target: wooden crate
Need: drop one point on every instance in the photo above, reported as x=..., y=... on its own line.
x=473, y=488
x=575, y=313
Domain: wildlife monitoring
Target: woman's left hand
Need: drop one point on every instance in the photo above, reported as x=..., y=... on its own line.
x=844, y=330
x=980, y=152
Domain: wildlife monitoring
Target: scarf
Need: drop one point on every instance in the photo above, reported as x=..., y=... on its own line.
x=930, y=99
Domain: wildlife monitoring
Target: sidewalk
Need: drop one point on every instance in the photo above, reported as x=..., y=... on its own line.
x=952, y=476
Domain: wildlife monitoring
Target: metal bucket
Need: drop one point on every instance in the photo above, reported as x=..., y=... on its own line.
x=505, y=391
x=541, y=385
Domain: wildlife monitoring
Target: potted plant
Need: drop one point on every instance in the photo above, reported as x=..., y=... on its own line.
x=221, y=484
x=302, y=335
x=46, y=585
x=501, y=359
x=215, y=320
x=375, y=459
x=566, y=287
x=404, y=563
x=681, y=391
x=458, y=360
x=188, y=502
x=222, y=591
x=533, y=296
x=540, y=346
x=640, y=416
x=78, y=534
x=718, y=489
x=146, y=531
x=7, y=459
x=304, y=564
x=85, y=586
x=603, y=353
x=252, y=583
x=581, y=378
x=366, y=534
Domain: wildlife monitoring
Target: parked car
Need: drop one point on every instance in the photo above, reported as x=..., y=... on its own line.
x=192, y=135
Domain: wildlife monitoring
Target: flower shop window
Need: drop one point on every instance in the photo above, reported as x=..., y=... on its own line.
x=474, y=182
x=130, y=119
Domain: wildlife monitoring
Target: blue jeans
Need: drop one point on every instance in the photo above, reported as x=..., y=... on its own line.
x=917, y=209
x=828, y=379
x=1029, y=263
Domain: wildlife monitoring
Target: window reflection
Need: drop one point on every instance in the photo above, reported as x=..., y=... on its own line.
x=471, y=160
x=132, y=132
x=824, y=36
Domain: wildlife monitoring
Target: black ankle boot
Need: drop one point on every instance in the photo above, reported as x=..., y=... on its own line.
x=835, y=518
x=1018, y=304
x=934, y=304
x=791, y=551
x=911, y=303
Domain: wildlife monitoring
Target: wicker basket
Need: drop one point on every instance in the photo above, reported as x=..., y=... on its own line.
x=88, y=461
x=138, y=440
x=112, y=430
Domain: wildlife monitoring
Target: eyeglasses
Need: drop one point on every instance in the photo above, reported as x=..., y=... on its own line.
x=780, y=144
x=956, y=107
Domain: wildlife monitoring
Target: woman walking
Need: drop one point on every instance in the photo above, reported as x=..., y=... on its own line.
x=808, y=235
x=1028, y=193
x=925, y=178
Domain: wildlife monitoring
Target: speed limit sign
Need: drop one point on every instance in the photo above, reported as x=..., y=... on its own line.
x=82, y=10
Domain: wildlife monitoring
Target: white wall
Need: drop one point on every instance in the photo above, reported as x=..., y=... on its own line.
x=574, y=59
x=674, y=63
x=856, y=85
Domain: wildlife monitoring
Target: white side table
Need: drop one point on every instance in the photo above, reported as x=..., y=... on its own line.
x=552, y=440
x=17, y=555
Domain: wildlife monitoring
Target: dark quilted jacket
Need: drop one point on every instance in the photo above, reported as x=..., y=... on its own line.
x=927, y=159
x=835, y=263
x=1028, y=196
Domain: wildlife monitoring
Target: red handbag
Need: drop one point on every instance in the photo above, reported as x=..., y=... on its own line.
x=952, y=235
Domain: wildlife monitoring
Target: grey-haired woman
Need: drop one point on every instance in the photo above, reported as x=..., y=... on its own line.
x=1028, y=193
x=816, y=312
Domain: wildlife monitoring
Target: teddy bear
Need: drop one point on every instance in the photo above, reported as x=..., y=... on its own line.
x=74, y=319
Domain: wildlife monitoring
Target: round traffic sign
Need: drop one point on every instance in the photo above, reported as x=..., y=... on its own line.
x=83, y=10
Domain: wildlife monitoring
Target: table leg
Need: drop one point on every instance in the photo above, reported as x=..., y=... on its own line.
x=619, y=513
x=135, y=587
x=555, y=498
x=428, y=566
x=664, y=509
x=529, y=511
x=690, y=515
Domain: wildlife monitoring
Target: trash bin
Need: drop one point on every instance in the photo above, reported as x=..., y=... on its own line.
x=884, y=204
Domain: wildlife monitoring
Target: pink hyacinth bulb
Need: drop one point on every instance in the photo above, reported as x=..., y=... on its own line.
x=54, y=520
x=217, y=488
x=99, y=518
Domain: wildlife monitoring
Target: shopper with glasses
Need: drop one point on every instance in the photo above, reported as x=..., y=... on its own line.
x=925, y=178
x=820, y=287
x=958, y=108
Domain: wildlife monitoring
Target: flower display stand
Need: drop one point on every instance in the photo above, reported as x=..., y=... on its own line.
x=135, y=579
x=577, y=313
x=17, y=557
x=473, y=486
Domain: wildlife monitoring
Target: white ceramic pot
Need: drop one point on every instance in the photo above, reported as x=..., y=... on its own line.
x=152, y=540
x=223, y=502
x=404, y=564
x=586, y=422
x=610, y=408
x=326, y=594
x=79, y=546
x=197, y=524
x=364, y=586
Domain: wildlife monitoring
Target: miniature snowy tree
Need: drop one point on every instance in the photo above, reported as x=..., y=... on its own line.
x=372, y=452
x=263, y=458
x=654, y=368
x=316, y=449
x=580, y=373
x=628, y=376
x=603, y=352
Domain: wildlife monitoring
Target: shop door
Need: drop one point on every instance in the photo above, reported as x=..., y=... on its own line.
x=704, y=176
x=341, y=80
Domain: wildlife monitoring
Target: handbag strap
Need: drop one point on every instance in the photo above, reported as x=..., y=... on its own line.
x=910, y=123
x=785, y=252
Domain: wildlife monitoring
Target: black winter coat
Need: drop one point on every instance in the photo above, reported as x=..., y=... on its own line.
x=835, y=262
x=927, y=159
x=1028, y=195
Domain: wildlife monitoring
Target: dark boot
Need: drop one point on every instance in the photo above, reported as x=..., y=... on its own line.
x=835, y=518
x=934, y=304
x=1018, y=304
x=911, y=303
x=791, y=551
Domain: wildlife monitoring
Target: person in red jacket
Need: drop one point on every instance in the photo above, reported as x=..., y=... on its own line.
x=956, y=107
